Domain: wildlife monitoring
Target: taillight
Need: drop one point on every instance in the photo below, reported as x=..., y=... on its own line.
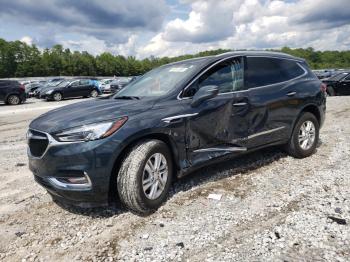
x=22, y=87
x=323, y=87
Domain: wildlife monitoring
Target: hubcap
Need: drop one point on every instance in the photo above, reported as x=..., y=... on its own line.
x=307, y=135
x=57, y=96
x=14, y=100
x=155, y=176
x=94, y=93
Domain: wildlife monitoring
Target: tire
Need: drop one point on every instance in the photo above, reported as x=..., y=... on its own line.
x=330, y=91
x=297, y=146
x=57, y=96
x=135, y=183
x=93, y=93
x=13, y=100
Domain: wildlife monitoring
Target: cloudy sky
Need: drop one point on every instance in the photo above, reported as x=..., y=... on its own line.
x=174, y=27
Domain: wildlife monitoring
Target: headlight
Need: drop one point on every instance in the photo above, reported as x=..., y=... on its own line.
x=90, y=132
x=49, y=92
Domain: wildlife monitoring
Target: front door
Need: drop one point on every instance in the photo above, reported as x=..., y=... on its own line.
x=217, y=129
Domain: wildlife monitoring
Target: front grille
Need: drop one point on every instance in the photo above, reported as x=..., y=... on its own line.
x=37, y=142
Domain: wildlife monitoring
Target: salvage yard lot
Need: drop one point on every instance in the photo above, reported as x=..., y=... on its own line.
x=273, y=207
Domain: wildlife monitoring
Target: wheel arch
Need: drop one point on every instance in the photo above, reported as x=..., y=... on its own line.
x=112, y=192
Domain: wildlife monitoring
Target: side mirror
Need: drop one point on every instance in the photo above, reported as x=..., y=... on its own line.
x=204, y=93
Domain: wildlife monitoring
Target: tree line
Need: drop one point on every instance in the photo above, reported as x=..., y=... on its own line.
x=18, y=59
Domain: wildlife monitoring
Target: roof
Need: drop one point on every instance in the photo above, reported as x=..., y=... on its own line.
x=213, y=58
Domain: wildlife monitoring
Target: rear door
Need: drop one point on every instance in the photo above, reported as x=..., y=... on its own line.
x=217, y=129
x=273, y=96
x=85, y=87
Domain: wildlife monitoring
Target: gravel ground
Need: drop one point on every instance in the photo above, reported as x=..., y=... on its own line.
x=273, y=207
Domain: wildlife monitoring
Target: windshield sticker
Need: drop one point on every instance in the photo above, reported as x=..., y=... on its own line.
x=178, y=69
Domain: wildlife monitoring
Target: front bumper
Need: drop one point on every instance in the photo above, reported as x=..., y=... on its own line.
x=93, y=160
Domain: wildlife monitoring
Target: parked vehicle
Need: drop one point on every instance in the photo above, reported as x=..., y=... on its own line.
x=173, y=120
x=106, y=85
x=118, y=84
x=69, y=89
x=30, y=88
x=338, y=84
x=48, y=85
x=12, y=92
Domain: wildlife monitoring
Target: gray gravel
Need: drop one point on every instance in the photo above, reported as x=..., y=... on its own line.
x=273, y=207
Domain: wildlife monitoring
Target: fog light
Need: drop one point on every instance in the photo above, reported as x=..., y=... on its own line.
x=74, y=180
x=71, y=183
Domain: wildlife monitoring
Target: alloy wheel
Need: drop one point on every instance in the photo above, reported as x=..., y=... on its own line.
x=57, y=97
x=155, y=176
x=307, y=135
x=13, y=100
x=93, y=93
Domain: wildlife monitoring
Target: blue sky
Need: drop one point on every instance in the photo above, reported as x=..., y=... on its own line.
x=174, y=27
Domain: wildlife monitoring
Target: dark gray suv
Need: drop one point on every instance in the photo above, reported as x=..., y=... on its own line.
x=172, y=120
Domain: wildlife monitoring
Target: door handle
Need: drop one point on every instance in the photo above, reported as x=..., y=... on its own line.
x=240, y=104
x=291, y=93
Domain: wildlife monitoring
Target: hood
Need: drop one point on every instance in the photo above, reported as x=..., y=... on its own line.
x=88, y=112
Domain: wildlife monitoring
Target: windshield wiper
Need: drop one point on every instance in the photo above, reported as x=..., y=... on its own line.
x=127, y=97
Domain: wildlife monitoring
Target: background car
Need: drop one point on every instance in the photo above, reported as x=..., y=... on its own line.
x=30, y=88
x=46, y=86
x=105, y=85
x=118, y=84
x=338, y=84
x=70, y=88
x=12, y=92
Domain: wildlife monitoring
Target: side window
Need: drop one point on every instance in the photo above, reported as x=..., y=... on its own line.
x=75, y=84
x=228, y=76
x=347, y=78
x=261, y=71
x=84, y=82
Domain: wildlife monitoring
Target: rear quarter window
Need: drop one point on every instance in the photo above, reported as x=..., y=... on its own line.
x=262, y=71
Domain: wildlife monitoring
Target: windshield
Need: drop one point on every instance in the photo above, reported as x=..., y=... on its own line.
x=337, y=77
x=159, y=81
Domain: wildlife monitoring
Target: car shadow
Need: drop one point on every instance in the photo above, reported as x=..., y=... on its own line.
x=229, y=168
x=243, y=165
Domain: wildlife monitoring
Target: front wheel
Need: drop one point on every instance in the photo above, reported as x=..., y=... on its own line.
x=305, y=136
x=145, y=176
x=330, y=91
x=57, y=96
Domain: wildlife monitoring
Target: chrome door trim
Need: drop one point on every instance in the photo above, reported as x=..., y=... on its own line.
x=231, y=149
x=266, y=132
x=170, y=118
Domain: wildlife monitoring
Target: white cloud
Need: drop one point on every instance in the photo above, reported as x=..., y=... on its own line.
x=27, y=39
x=254, y=24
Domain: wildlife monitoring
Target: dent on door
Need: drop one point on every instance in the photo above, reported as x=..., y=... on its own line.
x=208, y=134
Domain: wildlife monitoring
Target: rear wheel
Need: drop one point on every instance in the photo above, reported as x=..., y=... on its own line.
x=305, y=136
x=93, y=93
x=13, y=100
x=57, y=96
x=145, y=176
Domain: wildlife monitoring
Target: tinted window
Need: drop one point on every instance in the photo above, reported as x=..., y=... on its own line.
x=347, y=78
x=76, y=83
x=261, y=71
x=228, y=76
x=338, y=77
x=84, y=82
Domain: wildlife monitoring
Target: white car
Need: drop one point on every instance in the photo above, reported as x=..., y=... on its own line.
x=105, y=85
